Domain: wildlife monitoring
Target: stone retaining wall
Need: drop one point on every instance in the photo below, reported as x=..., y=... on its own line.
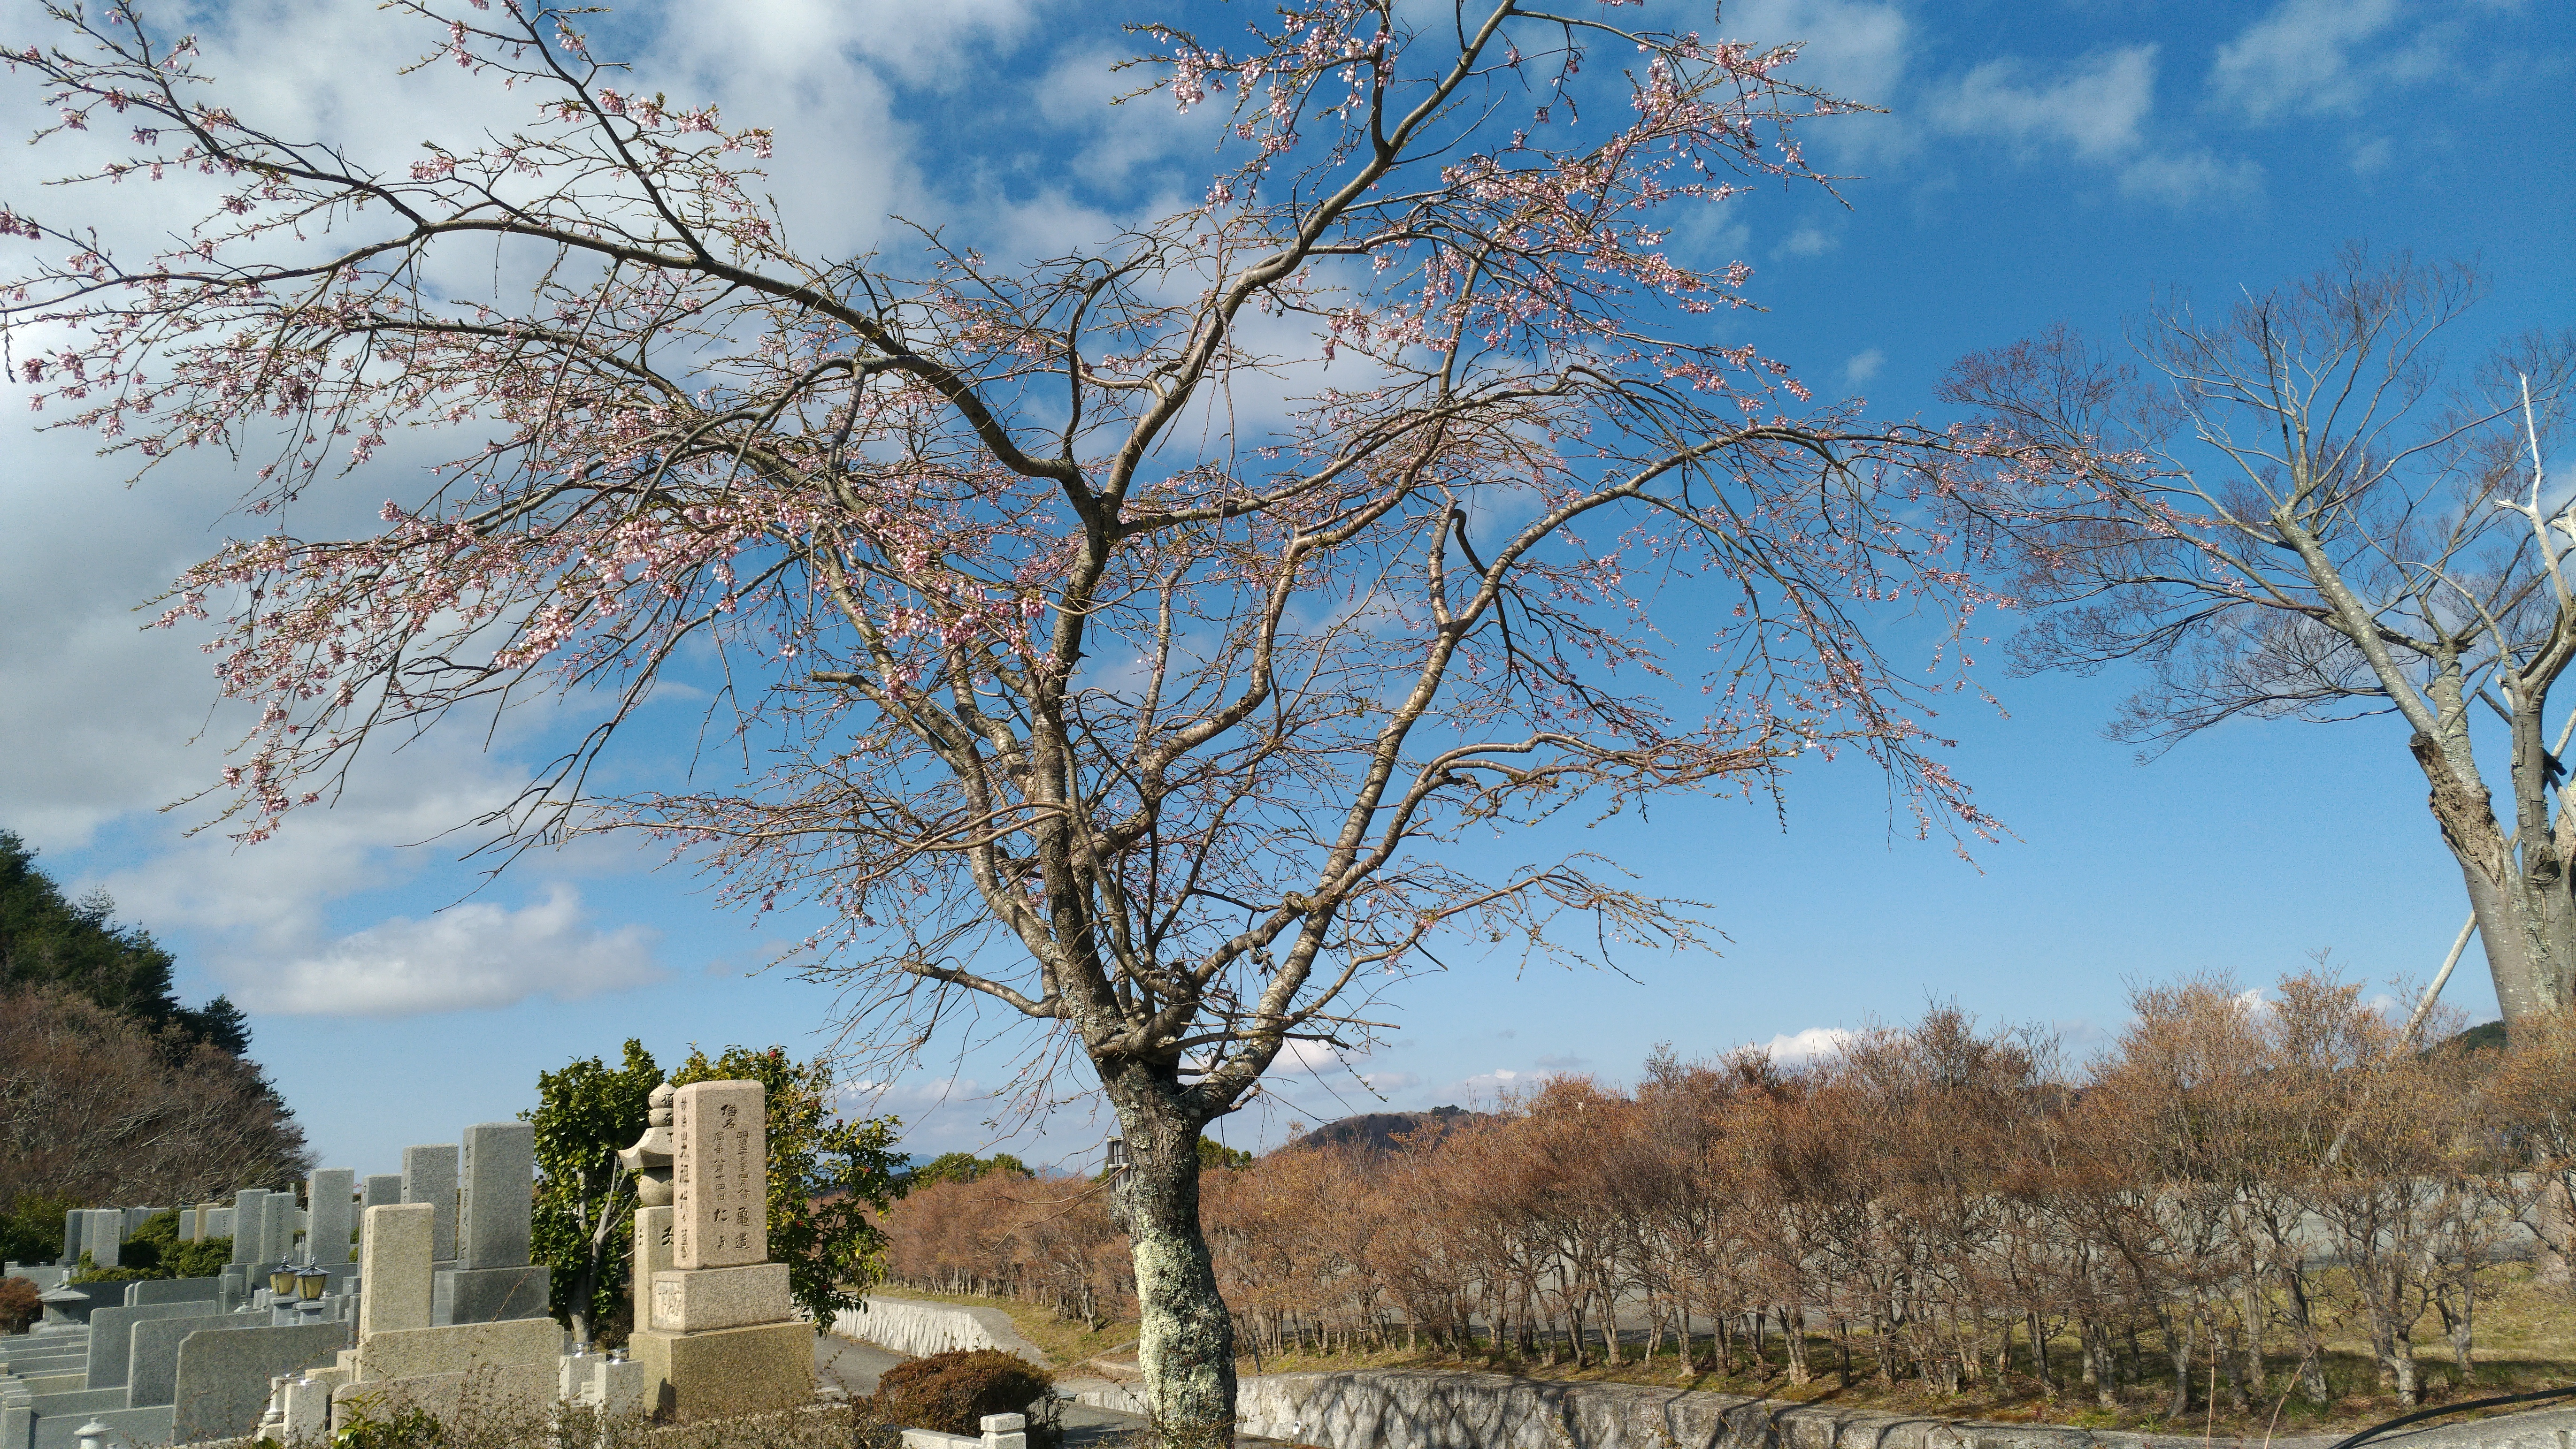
x=917, y=1329
x=1398, y=1409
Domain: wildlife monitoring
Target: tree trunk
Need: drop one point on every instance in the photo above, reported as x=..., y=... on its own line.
x=2552, y=1221
x=2525, y=910
x=1793, y=1340
x=1185, y=1336
x=2178, y=1339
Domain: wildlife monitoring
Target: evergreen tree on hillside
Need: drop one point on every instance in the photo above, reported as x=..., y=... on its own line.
x=48, y=941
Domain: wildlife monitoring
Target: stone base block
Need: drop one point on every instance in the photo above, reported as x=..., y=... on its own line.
x=495, y=1389
x=727, y=1371
x=489, y=1295
x=692, y=1300
x=412, y=1352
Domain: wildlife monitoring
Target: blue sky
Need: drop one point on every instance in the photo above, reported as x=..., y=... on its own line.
x=2039, y=162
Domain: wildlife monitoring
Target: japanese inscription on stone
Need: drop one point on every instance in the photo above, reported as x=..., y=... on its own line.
x=719, y=1176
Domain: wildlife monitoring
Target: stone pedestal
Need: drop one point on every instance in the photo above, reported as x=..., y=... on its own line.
x=489, y=1295
x=694, y=1300
x=726, y=1371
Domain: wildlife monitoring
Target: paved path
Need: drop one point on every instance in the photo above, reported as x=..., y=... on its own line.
x=855, y=1366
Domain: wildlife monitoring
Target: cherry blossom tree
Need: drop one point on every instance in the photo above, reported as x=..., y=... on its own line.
x=1141, y=640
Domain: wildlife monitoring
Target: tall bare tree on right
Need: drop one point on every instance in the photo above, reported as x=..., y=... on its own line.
x=2295, y=507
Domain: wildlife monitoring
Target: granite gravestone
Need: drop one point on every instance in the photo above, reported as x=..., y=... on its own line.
x=331, y=1209
x=277, y=1229
x=429, y=1176
x=717, y=1335
x=396, y=1270
x=222, y=1382
x=247, y=1216
x=719, y=1176
x=111, y=1336
x=152, y=1355
x=492, y=1280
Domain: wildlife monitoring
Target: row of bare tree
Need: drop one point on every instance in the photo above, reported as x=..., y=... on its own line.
x=2233, y=1182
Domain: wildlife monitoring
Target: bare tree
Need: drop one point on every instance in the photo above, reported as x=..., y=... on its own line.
x=1092, y=696
x=96, y=1107
x=2296, y=510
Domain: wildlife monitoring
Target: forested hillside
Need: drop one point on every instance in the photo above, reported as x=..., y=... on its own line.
x=111, y=1091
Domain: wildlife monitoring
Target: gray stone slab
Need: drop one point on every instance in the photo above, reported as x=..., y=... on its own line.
x=429, y=1176
x=400, y=1281
x=499, y=1167
x=332, y=1211
x=86, y=1401
x=490, y=1295
x=246, y=1212
x=219, y=1223
x=111, y=1337
x=175, y=1290
x=101, y=1235
x=383, y=1189
x=222, y=1385
x=277, y=1229
x=129, y=1426
x=152, y=1360
x=73, y=1222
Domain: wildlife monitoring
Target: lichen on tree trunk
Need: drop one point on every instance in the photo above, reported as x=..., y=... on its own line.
x=1185, y=1333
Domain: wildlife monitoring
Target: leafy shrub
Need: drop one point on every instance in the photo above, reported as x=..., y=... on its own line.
x=410, y=1428
x=18, y=1304
x=205, y=1259
x=88, y=1271
x=952, y=1392
x=31, y=1231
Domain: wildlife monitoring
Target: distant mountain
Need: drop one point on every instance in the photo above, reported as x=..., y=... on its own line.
x=1378, y=1131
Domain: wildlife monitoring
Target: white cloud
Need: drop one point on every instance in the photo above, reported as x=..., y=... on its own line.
x=2095, y=105
x=1863, y=366
x=1485, y=1088
x=919, y=44
x=1854, y=50
x=2181, y=178
x=1806, y=241
x=1306, y=1058
x=2301, y=58
x=2096, y=109
x=1813, y=1044
x=467, y=957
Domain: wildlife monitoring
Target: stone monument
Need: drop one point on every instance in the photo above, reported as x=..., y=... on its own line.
x=405, y=1359
x=492, y=1279
x=716, y=1330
